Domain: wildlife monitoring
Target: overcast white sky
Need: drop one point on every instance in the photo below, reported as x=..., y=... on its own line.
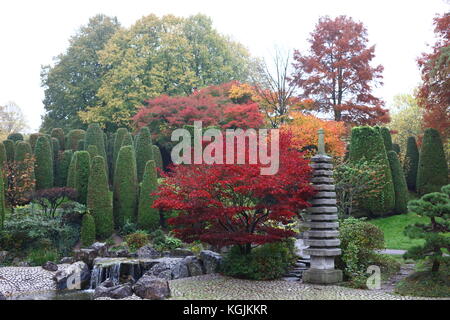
x=32, y=32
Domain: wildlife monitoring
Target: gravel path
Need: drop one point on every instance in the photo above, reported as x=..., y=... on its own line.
x=216, y=287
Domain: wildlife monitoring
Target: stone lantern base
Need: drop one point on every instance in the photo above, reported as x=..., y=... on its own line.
x=322, y=276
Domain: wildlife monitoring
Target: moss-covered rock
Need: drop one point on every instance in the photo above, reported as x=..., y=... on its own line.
x=411, y=163
x=432, y=173
x=367, y=144
x=125, y=187
x=43, y=169
x=99, y=200
x=87, y=233
x=400, y=188
x=148, y=217
x=144, y=151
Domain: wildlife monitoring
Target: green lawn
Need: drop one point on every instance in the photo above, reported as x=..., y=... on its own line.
x=393, y=230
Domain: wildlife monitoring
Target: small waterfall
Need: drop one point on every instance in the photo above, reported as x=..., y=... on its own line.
x=101, y=272
x=117, y=270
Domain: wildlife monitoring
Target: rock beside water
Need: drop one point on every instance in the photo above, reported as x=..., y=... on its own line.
x=211, y=261
x=152, y=288
x=107, y=289
x=50, y=266
x=75, y=276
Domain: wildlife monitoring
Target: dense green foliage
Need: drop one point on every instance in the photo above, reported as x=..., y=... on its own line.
x=93, y=151
x=120, y=135
x=73, y=137
x=82, y=171
x=381, y=202
x=9, y=148
x=396, y=147
x=87, y=233
x=58, y=133
x=125, y=187
x=435, y=206
x=432, y=171
x=95, y=136
x=148, y=217
x=144, y=151
x=70, y=182
x=137, y=239
x=56, y=153
x=2, y=200
x=128, y=140
x=267, y=262
x=411, y=163
x=15, y=137
x=99, y=200
x=157, y=157
x=44, y=164
x=3, y=157
x=387, y=138
x=63, y=168
x=33, y=138
x=400, y=188
x=22, y=150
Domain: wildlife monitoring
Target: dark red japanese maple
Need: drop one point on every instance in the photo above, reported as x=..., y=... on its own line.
x=234, y=204
x=337, y=74
x=434, y=93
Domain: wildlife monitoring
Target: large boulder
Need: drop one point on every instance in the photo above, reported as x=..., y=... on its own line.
x=100, y=248
x=67, y=260
x=147, y=252
x=211, y=261
x=50, y=266
x=119, y=253
x=180, y=252
x=152, y=288
x=88, y=255
x=194, y=266
x=75, y=276
x=168, y=268
x=107, y=289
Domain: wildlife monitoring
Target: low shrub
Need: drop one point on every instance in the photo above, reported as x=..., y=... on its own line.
x=137, y=239
x=162, y=242
x=267, y=262
x=40, y=256
x=87, y=230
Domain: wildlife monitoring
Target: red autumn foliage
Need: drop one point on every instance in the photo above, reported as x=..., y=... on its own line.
x=337, y=74
x=434, y=93
x=212, y=105
x=230, y=204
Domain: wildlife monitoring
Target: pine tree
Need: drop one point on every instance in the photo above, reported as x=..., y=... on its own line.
x=432, y=173
x=99, y=200
x=144, y=151
x=9, y=148
x=87, y=233
x=400, y=188
x=58, y=133
x=411, y=163
x=368, y=144
x=63, y=168
x=82, y=171
x=43, y=169
x=125, y=186
x=148, y=217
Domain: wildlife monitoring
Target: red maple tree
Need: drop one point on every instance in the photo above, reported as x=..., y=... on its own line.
x=230, y=204
x=434, y=93
x=337, y=74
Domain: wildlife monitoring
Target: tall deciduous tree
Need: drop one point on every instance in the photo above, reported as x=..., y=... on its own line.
x=12, y=120
x=168, y=55
x=71, y=84
x=337, y=73
x=434, y=93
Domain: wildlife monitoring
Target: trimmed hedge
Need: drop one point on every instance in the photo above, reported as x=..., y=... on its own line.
x=22, y=149
x=63, y=168
x=157, y=157
x=120, y=134
x=73, y=137
x=56, y=150
x=128, y=140
x=58, y=133
x=43, y=169
x=387, y=138
x=15, y=137
x=125, y=187
x=80, y=146
x=2, y=200
x=144, y=151
x=411, y=163
x=367, y=143
x=3, y=158
x=33, y=138
x=82, y=171
x=396, y=148
x=148, y=217
x=95, y=136
x=432, y=173
x=93, y=151
x=99, y=200
x=87, y=230
x=400, y=188
x=9, y=148
x=72, y=171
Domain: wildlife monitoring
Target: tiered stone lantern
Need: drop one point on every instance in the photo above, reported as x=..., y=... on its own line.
x=322, y=219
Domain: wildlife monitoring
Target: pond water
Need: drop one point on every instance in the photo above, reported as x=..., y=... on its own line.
x=57, y=295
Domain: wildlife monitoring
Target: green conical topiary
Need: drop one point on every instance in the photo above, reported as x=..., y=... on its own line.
x=387, y=138
x=128, y=140
x=93, y=151
x=43, y=169
x=148, y=217
x=58, y=133
x=125, y=186
x=87, y=233
x=396, y=147
x=73, y=137
x=99, y=200
x=96, y=137
x=71, y=173
x=157, y=157
x=3, y=158
x=411, y=163
x=432, y=173
x=63, y=168
x=56, y=151
x=32, y=140
x=144, y=151
x=367, y=144
x=110, y=155
x=80, y=146
x=120, y=134
x=400, y=188
x=2, y=200
x=82, y=171
x=9, y=148
x=22, y=150
x=15, y=137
